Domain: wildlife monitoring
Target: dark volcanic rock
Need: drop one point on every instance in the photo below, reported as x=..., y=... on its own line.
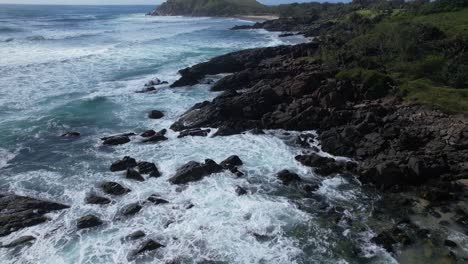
x=155, y=199
x=155, y=114
x=71, y=134
x=130, y=209
x=134, y=175
x=197, y=132
x=148, y=133
x=288, y=177
x=324, y=166
x=22, y=241
x=149, y=245
x=148, y=168
x=241, y=191
x=88, y=221
x=232, y=62
x=231, y=162
x=116, y=140
x=195, y=171
x=94, y=199
x=17, y=212
x=123, y=164
x=156, y=138
x=135, y=235
x=146, y=90
x=114, y=188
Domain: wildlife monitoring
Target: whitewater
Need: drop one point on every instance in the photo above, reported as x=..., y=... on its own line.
x=77, y=69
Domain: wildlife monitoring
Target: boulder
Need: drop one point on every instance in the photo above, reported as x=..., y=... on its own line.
x=147, y=90
x=130, y=209
x=148, y=133
x=135, y=236
x=71, y=134
x=134, y=175
x=155, y=138
x=195, y=171
x=231, y=162
x=240, y=191
x=22, y=241
x=147, y=246
x=155, y=114
x=116, y=140
x=18, y=212
x=123, y=164
x=148, y=168
x=153, y=82
x=288, y=177
x=95, y=199
x=114, y=188
x=323, y=165
x=155, y=199
x=88, y=221
x=196, y=132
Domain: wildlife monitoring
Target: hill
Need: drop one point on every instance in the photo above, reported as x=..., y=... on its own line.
x=210, y=8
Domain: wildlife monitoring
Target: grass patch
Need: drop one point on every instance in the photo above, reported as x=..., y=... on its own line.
x=446, y=99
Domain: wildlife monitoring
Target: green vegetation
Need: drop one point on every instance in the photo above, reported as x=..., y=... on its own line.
x=375, y=84
x=211, y=8
x=423, y=49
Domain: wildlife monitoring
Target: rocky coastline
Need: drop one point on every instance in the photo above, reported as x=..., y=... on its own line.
x=413, y=156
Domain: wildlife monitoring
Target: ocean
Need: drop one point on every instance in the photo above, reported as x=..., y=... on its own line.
x=76, y=68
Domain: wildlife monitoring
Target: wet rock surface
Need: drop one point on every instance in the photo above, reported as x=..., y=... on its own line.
x=195, y=171
x=123, y=164
x=114, y=188
x=18, y=212
x=287, y=177
x=21, y=241
x=155, y=114
x=95, y=199
x=88, y=221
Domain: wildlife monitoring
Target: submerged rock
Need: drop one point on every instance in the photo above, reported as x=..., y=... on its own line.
x=18, y=212
x=22, y=241
x=197, y=132
x=135, y=235
x=130, y=209
x=146, y=90
x=153, y=82
x=155, y=138
x=134, y=175
x=155, y=199
x=71, y=134
x=88, y=221
x=195, y=171
x=241, y=191
x=94, y=199
x=123, y=164
x=116, y=140
x=148, y=133
x=147, y=246
x=287, y=177
x=155, y=114
x=114, y=188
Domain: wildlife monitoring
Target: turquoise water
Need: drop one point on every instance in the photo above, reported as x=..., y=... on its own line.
x=76, y=69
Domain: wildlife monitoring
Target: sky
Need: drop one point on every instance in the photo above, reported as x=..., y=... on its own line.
x=124, y=2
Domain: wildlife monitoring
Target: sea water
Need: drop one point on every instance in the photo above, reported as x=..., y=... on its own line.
x=76, y=68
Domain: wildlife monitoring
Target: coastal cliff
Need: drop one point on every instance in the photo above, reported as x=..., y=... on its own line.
x=210, y=8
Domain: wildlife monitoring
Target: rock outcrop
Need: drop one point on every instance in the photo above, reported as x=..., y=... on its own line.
x=17, y=212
